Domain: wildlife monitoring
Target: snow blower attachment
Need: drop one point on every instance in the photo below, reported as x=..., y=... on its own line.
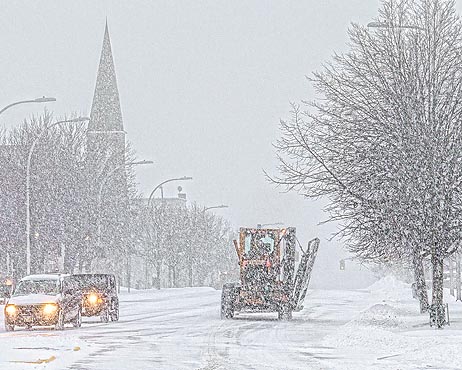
x=267, y=273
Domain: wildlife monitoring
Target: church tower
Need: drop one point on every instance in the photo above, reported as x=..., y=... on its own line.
x=106, y=136
x=108, y=194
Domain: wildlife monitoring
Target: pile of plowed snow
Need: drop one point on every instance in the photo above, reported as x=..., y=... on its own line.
x=382, y=315
x=390, y=288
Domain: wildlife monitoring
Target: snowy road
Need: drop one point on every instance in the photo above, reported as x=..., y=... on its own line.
x=181, y=329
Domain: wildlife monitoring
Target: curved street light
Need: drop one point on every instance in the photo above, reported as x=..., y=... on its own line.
x=99, y=200
x=38, y=100
x=259, y=226
x=29, y=160
x=184, y=178
x=391, y=25
x=101, y=187
x=215, y=207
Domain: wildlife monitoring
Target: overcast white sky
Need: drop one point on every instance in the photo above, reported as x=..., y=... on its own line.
x=202, y=84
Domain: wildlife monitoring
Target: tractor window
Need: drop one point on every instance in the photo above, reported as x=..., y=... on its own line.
x=247, y=242
x=256, y=246
x=268, y=242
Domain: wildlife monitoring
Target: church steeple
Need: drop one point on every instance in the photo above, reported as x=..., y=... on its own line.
x=106, y=114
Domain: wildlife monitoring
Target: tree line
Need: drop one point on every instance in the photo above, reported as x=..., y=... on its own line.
x=88, y=216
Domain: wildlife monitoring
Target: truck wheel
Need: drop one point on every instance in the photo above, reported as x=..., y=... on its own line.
x=227, y=301
x=115, y=314
x=285, y=313
x=77, y=323
x=9, y=327
x=60, y=323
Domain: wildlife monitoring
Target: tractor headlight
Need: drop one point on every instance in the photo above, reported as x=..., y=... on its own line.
x=50, y=308
x=93, y=298
x=11, y=309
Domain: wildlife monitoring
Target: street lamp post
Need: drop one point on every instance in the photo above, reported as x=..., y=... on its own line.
x=184, y=178
x=391, y=25
x=99, y=200
x=259, y=226
x=29, y=160
x=214, y=207
x=38, y=100
x=103, y=183
x=150, y=204
x=190, y=269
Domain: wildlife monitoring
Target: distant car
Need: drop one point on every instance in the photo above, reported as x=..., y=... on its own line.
x=99, y=295
x=44, y=300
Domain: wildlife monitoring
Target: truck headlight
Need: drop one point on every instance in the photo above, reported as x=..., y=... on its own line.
x=11, y=309
x=50, y=308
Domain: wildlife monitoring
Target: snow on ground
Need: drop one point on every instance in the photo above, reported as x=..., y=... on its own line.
x=375, y=328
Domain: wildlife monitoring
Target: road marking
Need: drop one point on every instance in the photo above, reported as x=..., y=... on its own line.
x=39, y=361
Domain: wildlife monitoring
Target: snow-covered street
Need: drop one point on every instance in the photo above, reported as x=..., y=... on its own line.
x=375, y=328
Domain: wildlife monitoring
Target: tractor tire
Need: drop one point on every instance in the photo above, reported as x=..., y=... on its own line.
x=104, y=317
x=228, y=297
x=285, y=313
x=115, y=312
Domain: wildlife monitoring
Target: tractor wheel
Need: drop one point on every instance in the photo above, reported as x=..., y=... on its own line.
x=104, y=315
x=285, y=312
x=228, y=297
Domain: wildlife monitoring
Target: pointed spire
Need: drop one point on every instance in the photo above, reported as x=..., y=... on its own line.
x=106, y=114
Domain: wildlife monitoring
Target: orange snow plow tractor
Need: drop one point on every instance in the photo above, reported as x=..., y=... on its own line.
x=268, y=281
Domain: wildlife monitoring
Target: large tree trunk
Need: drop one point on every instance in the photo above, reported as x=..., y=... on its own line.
x=419, y=275
x=175, y=277
x=170, y=279
x=190, y=273
x=458, y=288
x=159, y=266
x=129, y=273
x=437, y=311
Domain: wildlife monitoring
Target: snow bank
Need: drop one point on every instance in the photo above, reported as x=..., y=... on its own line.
x=391, y=334
x=390, y=287
x=382, y=315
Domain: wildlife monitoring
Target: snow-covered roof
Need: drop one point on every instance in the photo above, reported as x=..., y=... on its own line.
x=44, y=277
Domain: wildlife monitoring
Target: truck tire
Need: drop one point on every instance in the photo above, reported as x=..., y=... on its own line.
x=60, y=323
x=9, y=327
x=77, y=322
x=228, y=298
x=285, y=312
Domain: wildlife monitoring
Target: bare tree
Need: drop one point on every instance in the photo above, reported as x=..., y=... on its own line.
x=194, y=245
x=382, y=142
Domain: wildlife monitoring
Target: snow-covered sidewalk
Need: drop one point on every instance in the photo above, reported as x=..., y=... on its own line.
x=391, y=334
x=375, y=328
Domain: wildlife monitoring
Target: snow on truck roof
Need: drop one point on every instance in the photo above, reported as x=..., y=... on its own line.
x=44, y=277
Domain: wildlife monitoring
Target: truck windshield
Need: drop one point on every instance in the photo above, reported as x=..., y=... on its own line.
x=25, y=287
